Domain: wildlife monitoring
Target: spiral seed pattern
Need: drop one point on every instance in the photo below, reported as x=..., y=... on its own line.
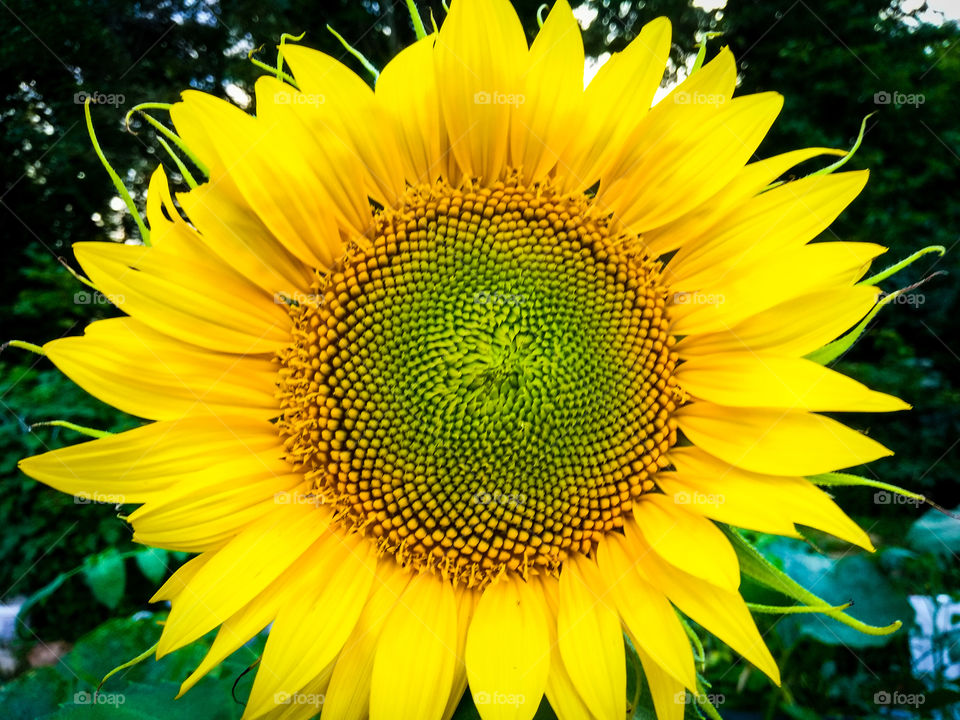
x=488, y=385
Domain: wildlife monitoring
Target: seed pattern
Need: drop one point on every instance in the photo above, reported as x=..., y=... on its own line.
x=488, y=385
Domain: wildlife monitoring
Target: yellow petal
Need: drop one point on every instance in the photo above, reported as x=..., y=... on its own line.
x=240, y=571
x=508, y=651
x=783, y=218
x=346, y=104
x=273, y=176
x=683, y=161
x=766, y=503
x=478, y=78
x=721, y=612
x=348, y=696
x=304, y=575
x=748, y=182
x=649, y=617
x=140, y=371
x=751, y=380
x=793, y=328
x=310, y=630
x=544, y=123
x=776, y=442
x=467, y=599
x=407, y=90
x=591, y=639
x=140, y=464
x=669, y=696
x=741, y=291
x=178, y=582
x=207, y=305
x=234, y=232
x=414, y=666
x=212, y=510
x=617, y=99
x=687, y=541
x=333, y=172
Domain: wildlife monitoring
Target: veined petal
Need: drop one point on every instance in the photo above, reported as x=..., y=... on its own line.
x=334, y=171
x=563, y=697
x=211, y=511
x=310, y=630
x=776, y=442
x=665, y=690
x=783, y=218
x=407, y=90
x=206, y=305
x=648, y=616
x=681, y=164
x=722, y=612
x=614, y=103
x=794, y=328
x=748, y=379
x=508, y=651
x=240, y=571
x=348, y=696
x=271, y=174
x=234, y=232
x=467, y=599
x=141, y=464
x=416, y=657
x=478, y=79
x=766, y=503
x=590, y=639
x=140, y=371
x=749, y=289
x=687, y=541
x=544, y=123
x=748, y=182
x=305, y=574
x=347, y=105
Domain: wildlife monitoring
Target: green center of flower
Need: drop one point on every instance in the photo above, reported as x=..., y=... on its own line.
x=486, y=387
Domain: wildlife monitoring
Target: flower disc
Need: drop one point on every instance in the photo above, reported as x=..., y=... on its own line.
x=488, y=385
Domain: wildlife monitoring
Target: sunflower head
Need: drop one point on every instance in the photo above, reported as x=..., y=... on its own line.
x=461, y=378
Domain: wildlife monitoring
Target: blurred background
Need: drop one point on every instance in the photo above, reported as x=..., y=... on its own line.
x=73, y=588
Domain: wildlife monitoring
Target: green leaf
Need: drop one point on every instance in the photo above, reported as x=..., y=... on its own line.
x=935, y=533
x=35, y=693
x=758, y=568
x=106, y=575
x=153, y=563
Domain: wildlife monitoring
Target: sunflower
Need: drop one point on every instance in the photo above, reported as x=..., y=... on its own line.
x=457, y=381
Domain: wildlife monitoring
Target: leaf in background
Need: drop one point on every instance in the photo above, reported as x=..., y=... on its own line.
x=153, y=563
x=107, y=577
x=936, y=533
